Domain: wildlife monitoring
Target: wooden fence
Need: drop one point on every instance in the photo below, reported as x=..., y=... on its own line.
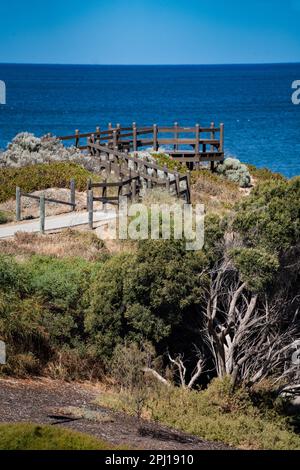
x=190, y=145
x=42, y=200
x=128, y=187
x=132, y=166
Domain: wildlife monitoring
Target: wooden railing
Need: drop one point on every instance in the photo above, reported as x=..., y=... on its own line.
x=128, y=187
x=121, y=163
x=42, y=200
x=190, y=145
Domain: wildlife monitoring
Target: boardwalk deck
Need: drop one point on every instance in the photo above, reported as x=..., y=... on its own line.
x=190, y=145
x=56, y=223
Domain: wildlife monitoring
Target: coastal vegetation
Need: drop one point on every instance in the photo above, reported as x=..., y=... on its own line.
x=201, y=341
x=244, y=419
x=27, y=436
x=41, y=176
x=160, y=293
x=233, y=170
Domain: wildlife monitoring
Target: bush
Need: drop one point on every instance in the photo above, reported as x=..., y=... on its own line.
x=264, y=174
x=12, y=275
x=41, y=176
x=3, y=218
x=270, y=216
x=27, y=149
x=162, y=159
x=235, y=171
x=77, y=243
x=28, y=436
x=256, y=267
x=215, y=414
x=42, y=304
x=145, y=297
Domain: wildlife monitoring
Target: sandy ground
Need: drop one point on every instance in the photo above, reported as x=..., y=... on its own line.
x=47, y=401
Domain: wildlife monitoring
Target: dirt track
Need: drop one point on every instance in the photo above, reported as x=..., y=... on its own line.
x=42, y=401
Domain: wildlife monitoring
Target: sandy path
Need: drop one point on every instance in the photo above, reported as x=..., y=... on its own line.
x=42, y=401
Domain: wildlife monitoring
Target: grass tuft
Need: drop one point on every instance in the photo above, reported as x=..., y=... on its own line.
x=42, y=176
x=28, y=436
x=215, y=414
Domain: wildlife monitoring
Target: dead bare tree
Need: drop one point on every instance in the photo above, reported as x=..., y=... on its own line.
x=178, y=362
x=247, y=336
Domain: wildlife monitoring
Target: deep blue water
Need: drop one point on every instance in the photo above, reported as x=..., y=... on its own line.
x=262, y=126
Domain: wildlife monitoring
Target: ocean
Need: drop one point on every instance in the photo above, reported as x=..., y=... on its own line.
x=262, y=126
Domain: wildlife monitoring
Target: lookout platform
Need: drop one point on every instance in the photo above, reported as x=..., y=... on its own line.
x=190, y=145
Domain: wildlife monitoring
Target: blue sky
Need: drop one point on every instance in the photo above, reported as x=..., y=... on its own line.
x=149, y=31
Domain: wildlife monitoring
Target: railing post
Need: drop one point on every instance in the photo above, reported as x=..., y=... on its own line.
x=72, y=193
x=119, y=136
x=188, y=184
x=134, y=136
x=177, y=185
x=88, y=188
x=42, y=213
x=98, y=135
x=92, y=141
x=212, y=134
x=155, y=142
x=176, y=135
x=90, y=208
x=18, y=204
x=115, y=143
x=77, y=138
x=104, y=194
x=168, y=184
x=212, y=148
x=120, y=189
x=222, y=138
x=197, y=146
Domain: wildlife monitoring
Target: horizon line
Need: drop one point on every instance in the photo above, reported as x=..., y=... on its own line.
x=151, y=65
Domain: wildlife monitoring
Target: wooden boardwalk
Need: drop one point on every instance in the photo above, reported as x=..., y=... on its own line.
x=57, y=223
x=190, y=145
x=116, y=148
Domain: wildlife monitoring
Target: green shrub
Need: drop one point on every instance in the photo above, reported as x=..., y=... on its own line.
x=145, y=297
x=215, y=414
x=165, y=160
x=41, y=176
x=264, y=174
x=28, y=436
x=235, y=171
x=270, y=216
x=12, y=275
x=256, y=267
x=3, y=218
x=42, y=304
